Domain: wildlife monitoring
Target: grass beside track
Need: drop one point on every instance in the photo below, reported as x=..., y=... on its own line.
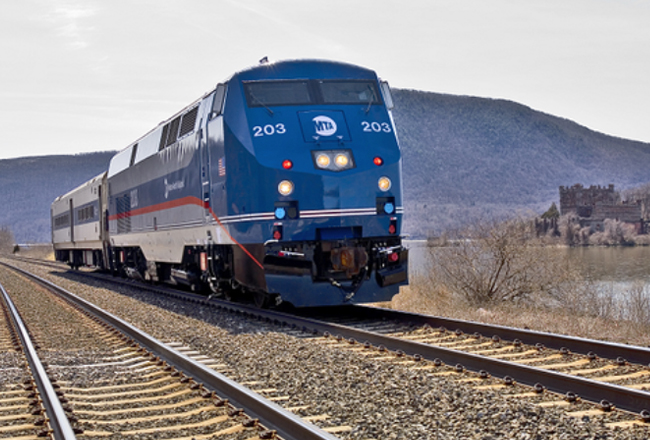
x=421, y=297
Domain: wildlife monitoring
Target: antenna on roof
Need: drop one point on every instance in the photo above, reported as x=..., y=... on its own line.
x=264, y=60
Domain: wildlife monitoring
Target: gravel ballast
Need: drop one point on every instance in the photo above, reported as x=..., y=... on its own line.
x=377, y=399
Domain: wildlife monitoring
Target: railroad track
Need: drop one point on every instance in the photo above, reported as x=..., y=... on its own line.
x=113, y=380
x=607, y=374
x=610, y=375
x=29, y=406
x=38, y=261
x=422, y=342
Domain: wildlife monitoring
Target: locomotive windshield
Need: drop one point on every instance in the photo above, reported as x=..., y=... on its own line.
x=349, y=92
x=303, y=92
x=266, y=93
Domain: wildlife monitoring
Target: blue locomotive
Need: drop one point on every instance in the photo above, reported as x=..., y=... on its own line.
x=283, y=183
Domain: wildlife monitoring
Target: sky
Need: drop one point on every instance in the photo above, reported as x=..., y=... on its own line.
x=81, y=76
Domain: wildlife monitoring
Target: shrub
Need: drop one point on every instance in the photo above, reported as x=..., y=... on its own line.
x=490, y=261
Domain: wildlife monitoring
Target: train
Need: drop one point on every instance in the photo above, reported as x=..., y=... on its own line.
x=283, y=184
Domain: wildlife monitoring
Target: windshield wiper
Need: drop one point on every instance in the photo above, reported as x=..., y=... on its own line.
x=372, y=98
x=255, y=98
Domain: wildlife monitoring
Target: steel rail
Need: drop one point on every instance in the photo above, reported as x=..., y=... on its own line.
x=610, y=350
x=588, y=389
x=625, y=398
x=57, y=417
x=288, y=425
x=603, y=349
x=622, y=397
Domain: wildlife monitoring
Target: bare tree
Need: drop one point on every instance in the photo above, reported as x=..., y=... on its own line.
x=6, y=240
x=637, y=303
x=504, y=261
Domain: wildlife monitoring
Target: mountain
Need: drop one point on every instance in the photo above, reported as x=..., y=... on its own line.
x=28, y=185
x=464, y=158
x=467, y=158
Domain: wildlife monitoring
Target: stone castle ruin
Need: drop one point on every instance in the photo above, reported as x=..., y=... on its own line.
x=595, y=204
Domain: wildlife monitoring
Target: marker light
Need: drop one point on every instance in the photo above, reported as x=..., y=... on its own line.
x=323, y=160
x=378, y=161
x=280, y=213
x=384, y=183
x=393, y=257
x=285, y=187
x=392, y=228
x=341, y=160
x=389, y=208
x=287, y=164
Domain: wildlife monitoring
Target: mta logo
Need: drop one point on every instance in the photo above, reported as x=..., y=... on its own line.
x=324, y=126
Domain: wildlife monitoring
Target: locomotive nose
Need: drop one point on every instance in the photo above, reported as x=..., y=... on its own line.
x=349, y=259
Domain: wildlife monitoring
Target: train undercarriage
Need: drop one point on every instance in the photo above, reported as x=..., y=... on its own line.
x=338, y=272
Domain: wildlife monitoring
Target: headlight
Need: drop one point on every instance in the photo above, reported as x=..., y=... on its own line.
x=341, y=160
x=333, y=160
x=384, y=183
x=323, y=160
x=285, y=187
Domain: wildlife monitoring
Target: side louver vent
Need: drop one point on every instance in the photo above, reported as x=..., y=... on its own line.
x=173, y=131
x=163, y=137
x=189, y=119
x=178, y=127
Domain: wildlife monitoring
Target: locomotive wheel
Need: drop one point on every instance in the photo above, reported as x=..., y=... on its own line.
x=261, y=299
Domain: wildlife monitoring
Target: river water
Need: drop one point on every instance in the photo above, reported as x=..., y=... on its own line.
x=618, y=265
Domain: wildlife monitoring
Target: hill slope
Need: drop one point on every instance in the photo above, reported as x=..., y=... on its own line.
x=28, y=186
x=466, y=158
x=463, y=158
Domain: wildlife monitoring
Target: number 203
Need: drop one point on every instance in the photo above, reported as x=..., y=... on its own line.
x=376, y=127
x=269, y=130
